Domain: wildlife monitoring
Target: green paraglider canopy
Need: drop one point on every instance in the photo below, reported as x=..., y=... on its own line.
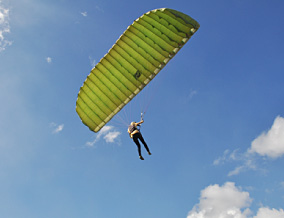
x=134, y=60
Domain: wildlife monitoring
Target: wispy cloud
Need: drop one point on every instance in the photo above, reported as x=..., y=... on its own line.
x=56, y=128
x=4, y=27
x=269, y=144
x=189, y=96
x=228, y=201
x=109, y=134
x=238, y=170
x=85, y=14
x=100, y=9
x=92, y=61
x=227, y=155
x=247, y=161
x=48, y=60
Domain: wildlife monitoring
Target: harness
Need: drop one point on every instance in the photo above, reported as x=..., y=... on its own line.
x=132, y=128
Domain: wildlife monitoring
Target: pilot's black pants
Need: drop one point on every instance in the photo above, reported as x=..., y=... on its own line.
x=137, y=136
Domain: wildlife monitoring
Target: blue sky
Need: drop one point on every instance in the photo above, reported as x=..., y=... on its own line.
x=215, y=123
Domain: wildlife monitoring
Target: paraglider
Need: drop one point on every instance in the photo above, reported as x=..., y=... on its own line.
x=134, y=60
x=135, y=134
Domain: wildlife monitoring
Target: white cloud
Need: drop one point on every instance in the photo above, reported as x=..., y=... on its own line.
x=4, y=27
x=59, y=128
x=110, y=136
x=271, y=143
x=225, y=201
x=228, y=201
x=48, y=59
x=269, y=213
x=56, y=128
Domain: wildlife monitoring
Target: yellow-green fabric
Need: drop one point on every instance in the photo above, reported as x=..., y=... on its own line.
x=134, y=60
